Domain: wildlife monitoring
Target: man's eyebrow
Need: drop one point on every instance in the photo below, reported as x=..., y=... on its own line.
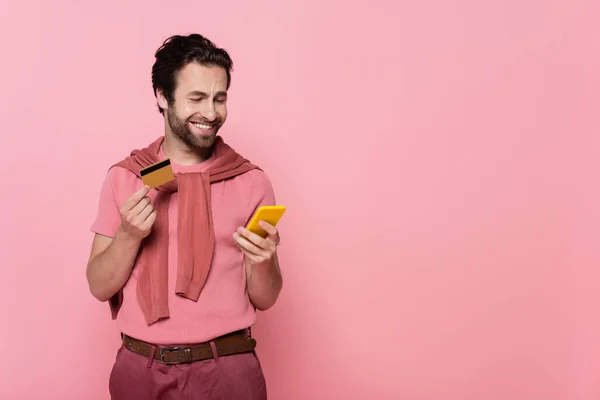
x=199, y=93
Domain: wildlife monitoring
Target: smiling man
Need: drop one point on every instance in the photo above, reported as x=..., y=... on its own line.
x=181, y=274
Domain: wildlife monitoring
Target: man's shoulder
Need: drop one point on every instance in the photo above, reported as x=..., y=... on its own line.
x=258, y=188
x=256, y=178
x=119, y=173
x=258, y=175
x=121, y=181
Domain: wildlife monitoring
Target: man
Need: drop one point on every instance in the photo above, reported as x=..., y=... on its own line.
x=181, y=274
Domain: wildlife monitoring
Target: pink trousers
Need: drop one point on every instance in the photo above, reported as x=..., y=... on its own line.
x=136, y=377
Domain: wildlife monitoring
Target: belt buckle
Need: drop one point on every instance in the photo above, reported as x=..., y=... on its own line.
x=163, y=349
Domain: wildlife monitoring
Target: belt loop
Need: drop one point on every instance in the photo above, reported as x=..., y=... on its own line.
x=213, y=347
x=188, y=354
x=151, y=356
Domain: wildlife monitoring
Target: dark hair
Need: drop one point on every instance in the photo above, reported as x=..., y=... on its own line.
x=176, y=52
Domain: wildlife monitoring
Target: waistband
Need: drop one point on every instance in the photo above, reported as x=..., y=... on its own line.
x=229, y=344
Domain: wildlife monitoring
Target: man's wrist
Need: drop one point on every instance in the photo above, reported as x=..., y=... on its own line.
x=127, y=239
x=268, y=268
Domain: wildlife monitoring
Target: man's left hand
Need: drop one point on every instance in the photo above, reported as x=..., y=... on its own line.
x=259, y=251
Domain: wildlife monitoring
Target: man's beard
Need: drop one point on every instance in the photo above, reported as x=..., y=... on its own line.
x=181, y=129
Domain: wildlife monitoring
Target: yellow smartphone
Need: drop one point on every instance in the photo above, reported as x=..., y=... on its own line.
x=270, y=214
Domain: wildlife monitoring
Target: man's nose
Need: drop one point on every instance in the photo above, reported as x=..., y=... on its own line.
x=208, y=111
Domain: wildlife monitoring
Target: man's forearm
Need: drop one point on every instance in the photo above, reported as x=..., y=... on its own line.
x=108, y=271
x=264, y=285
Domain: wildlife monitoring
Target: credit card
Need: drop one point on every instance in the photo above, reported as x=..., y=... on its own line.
x=157, y=174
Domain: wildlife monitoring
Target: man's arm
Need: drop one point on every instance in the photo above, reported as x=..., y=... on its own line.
x=110, y=264
x=111, y=260
x=263, y=275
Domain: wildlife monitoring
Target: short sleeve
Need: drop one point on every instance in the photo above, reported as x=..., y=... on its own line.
x=261, y=192
x=117, y=186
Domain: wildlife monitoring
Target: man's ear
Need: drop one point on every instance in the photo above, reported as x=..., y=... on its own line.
x=161, y=99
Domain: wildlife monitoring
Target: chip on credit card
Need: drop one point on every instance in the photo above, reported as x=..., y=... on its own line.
x=157, y=174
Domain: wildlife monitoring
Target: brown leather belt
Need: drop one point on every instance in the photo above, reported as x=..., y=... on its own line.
x=233, y=343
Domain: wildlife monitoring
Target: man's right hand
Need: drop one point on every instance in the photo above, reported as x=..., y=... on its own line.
x=112, y=259
x=137, y=215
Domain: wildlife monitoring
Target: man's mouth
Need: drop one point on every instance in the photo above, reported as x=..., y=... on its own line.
x=202, y=126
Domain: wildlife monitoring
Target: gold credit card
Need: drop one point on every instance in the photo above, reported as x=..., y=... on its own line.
x=157, y=174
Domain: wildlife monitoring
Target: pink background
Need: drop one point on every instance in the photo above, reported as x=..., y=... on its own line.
x=436, y=157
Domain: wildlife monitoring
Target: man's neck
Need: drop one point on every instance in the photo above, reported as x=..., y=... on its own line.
x=181, y=153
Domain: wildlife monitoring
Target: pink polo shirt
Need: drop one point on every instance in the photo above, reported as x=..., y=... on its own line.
x=223, y=305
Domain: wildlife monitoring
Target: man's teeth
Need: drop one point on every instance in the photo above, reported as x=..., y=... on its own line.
x=202, y=126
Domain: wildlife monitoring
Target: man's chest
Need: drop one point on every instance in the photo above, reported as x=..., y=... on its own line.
x=229, y=207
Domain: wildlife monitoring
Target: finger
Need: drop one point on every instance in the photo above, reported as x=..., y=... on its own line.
x=143, y=203
x=136, y=197
x=251, y=256
x=145, y=213
x=247, y=245
x=252, y=237
x=147, y=224
x=271, y=230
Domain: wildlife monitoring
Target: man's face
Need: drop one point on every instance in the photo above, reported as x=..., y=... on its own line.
x=199, y=108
